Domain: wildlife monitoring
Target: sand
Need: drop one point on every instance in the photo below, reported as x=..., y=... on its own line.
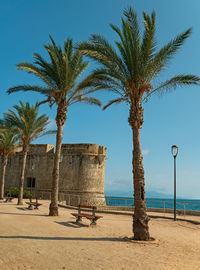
x=30, y=239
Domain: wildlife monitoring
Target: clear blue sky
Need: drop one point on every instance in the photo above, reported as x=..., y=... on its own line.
x=171, y=119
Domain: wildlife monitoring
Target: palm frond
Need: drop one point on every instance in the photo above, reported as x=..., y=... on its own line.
x=101, y=79
x=38, y=72
x=60, y=73
x=88, y=100
x=43, y=90
x=131, y=70
x=99, y=49
x=131, y=34
x=165, y=54
x=47, y=68
x=174, y=82
x=118, y=100
x=25, y=122
x=148, y=45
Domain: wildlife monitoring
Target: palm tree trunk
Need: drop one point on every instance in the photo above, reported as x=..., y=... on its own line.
x=140, y=219
x=60, y=120
x=3, y=172
x=21, y=181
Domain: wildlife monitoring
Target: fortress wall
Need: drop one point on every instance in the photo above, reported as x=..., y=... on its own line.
x=82, y=170
x=13, y=170
x=36, y=149
x=38, y=165
x=82, y=173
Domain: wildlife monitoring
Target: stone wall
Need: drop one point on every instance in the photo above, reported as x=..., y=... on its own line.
x=82, y=168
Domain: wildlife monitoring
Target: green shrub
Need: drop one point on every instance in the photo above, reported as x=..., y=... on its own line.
x=14, y=192
x=27, y=194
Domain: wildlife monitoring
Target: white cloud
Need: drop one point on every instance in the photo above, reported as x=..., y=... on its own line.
x=145, y=152
x=52, y=123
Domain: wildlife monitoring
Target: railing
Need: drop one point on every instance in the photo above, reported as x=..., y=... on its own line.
x=153, y=205
x=163, y=205
x=40, y=194
x=62, y=197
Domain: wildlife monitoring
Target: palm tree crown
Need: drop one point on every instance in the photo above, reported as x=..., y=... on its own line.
x=8, y=142
x=26, y=123
x=60, y=76
x=131, y=71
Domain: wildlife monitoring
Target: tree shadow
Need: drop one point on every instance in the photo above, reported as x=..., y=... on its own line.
x=100, y=239
x=72, y=224
x=26, y=209
x=22, y=208
x=7, y=203
x=22, y=214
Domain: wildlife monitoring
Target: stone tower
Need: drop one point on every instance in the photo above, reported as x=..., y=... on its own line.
x=82, y=169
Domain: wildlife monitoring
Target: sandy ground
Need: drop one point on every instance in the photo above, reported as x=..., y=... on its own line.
x=30, y=239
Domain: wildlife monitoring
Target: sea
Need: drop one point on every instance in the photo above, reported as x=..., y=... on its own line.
x=181, y=204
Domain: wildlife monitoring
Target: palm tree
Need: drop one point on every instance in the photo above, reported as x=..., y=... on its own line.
x=8, y=146
x=130, y=71
x=26, y=123
x=60, y=76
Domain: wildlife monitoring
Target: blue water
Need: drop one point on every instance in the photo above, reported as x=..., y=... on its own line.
x=193, y=205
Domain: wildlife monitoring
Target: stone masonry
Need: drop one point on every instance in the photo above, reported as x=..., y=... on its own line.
x=82, y=169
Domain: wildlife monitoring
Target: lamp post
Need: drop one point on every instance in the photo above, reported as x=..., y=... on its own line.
x=174, y=150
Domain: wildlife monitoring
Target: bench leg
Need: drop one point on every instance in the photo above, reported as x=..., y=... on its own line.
x=78, y=219
x=36, y=207
x=93, y=221
x=30, y=207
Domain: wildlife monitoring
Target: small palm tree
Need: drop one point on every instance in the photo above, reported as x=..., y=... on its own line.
x=60, y=76
x=28, y=126
x=8, y=146
x=131, y=72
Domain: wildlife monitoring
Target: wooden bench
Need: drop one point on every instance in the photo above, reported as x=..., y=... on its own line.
x=35, y=204
x=8, y=199
x=92, y=217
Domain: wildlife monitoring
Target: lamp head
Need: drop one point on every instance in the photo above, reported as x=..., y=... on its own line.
x=174, y=150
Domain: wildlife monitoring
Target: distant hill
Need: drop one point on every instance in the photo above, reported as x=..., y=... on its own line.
x=158, y=195
x=149, y=194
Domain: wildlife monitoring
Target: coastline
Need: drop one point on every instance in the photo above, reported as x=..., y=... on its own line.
x=156, y=203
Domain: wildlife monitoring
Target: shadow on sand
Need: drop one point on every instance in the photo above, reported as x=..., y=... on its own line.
x=72, y=224
x=100, y=239
x=22, y=214
x=22, y=208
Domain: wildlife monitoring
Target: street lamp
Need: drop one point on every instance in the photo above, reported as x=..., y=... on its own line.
x=174, y=150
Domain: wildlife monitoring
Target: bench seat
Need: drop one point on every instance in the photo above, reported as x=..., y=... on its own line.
x=91, y=217
x=86, y=216
x=9, y=199
x=33, y=204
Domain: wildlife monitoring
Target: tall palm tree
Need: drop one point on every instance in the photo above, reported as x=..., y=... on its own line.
x=60, y=76
x=131, y=72
x=8, y=146
x=26, y=123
